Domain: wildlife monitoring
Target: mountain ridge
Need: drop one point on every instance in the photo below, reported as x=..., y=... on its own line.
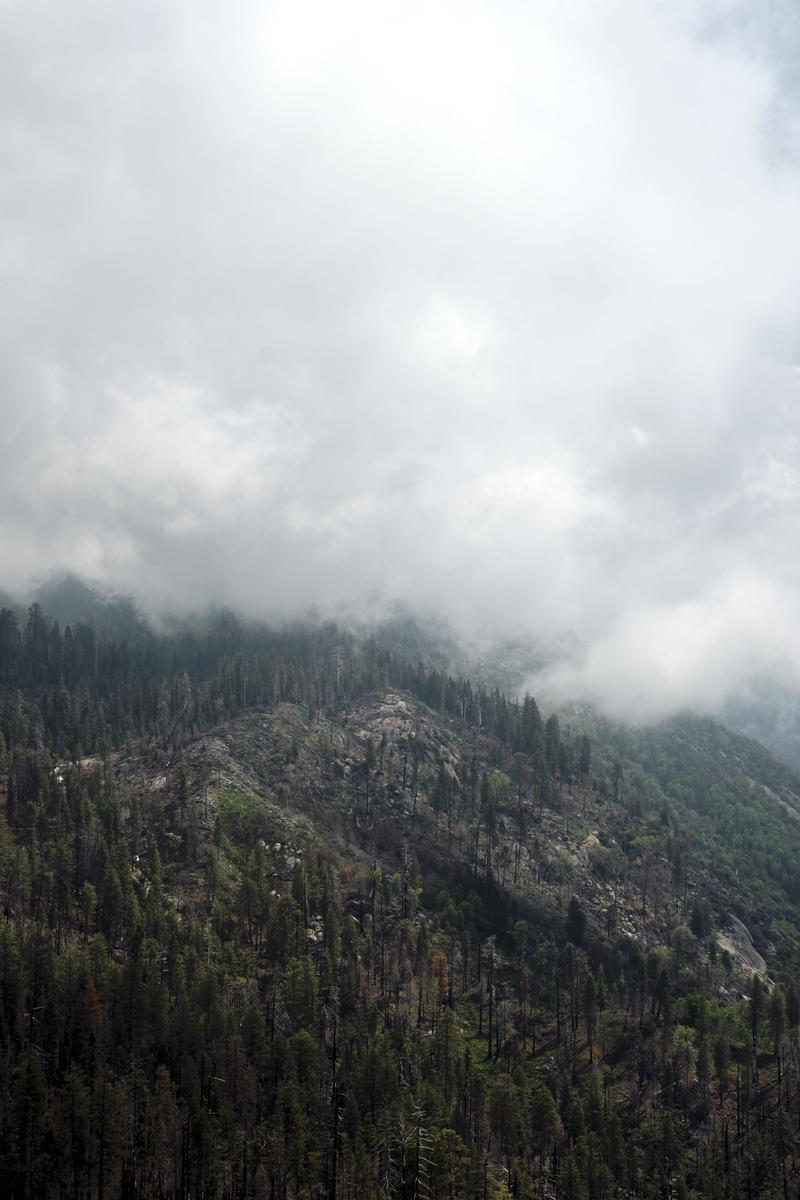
x=293, y=909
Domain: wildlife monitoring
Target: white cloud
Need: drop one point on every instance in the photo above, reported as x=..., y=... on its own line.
x=656, y=659
x=489, y=308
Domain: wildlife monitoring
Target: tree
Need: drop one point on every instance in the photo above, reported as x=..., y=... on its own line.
x=576, y=922
x=700, y=922
x=584, y=757
x=590, y=1011
x=777, y=1016
x=722, y=1058
x=28, y=1128
x=300, y=993
x=552, y=742
x=756, y=1011
x=110, y=907
x=441, y=974
x=777, y=1026
x=504, y=1112
x=88, y=908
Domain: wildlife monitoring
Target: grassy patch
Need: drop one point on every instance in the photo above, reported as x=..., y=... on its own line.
x=243, y=816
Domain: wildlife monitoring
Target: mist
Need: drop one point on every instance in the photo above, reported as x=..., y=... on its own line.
x=488, y=310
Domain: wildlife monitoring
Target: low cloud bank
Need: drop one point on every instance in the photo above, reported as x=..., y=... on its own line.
x=491, y=311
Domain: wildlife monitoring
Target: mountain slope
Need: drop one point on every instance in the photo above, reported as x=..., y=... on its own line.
x=640, y=847
x=286, y=916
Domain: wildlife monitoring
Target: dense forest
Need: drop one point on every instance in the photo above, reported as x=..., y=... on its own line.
x=286, y=915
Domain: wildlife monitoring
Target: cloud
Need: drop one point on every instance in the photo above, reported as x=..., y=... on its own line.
x=491, y=309
x=657, y=659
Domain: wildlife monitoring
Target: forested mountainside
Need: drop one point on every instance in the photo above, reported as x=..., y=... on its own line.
x=286, y=915
x=770, y=712
x=767, y=709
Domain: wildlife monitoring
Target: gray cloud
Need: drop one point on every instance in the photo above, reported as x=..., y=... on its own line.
x=489, y=308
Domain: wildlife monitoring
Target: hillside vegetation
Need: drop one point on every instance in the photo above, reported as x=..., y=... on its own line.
x=285, y=915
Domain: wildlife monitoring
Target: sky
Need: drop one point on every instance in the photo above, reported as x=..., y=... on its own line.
x=488, y=308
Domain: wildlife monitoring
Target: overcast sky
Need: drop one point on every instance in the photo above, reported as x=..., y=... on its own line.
x=488, y=307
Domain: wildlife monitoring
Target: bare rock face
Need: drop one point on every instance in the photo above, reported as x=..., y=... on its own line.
x=739, y=944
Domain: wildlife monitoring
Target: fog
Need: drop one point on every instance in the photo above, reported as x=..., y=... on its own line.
x=488, y=309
